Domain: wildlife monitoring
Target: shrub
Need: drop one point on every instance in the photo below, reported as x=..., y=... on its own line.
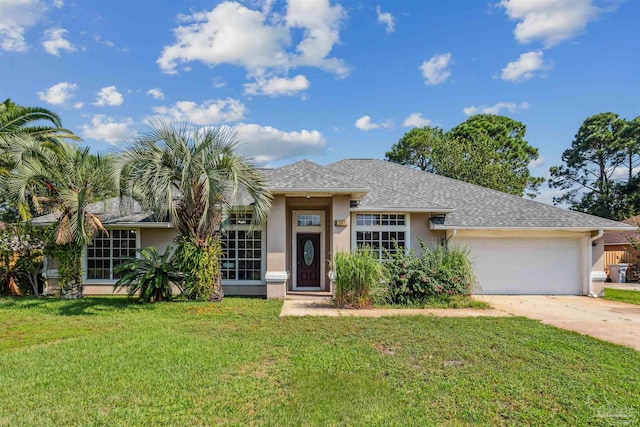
x=359, y=277
x=151, y=276
x=200, y=263
x=438, y=271
x=21, y=255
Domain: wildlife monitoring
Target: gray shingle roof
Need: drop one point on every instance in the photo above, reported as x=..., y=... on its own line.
x=388, y=186
x=110, y=212
x=474, y=206
x=306, y=174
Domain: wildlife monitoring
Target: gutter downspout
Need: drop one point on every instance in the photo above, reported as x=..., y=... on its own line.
x=590, y=262
x=453, y=234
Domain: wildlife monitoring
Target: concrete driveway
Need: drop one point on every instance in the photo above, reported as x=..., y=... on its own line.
x=612, y=321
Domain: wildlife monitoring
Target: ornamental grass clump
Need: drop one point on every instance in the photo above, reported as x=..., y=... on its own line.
x=438, y=272
x=359, y=277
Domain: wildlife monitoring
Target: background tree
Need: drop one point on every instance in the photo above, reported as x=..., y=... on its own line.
x=415, y=148
x=598, y=174
x=486, y=150
x=64, y=179
x=192, y=176
x=507, y=155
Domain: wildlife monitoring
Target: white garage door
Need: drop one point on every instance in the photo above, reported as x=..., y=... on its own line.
x=526, y=266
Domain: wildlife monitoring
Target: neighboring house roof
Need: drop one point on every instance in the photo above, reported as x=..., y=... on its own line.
x=385, y=186
x=474, y=206
x=114, y=211
x=622, y=238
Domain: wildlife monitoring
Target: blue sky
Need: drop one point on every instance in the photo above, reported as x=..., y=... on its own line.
x=322, y=79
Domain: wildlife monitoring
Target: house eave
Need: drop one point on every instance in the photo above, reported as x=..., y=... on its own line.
x=357, y=193
x=579, y=229
x=410, y=210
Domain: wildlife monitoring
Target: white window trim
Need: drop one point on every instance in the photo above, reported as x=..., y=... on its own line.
x=263, y=252
x=85, y=260
x=381, y=228
x=295, y=229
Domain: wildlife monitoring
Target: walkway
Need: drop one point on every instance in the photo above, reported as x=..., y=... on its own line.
x=322, y=306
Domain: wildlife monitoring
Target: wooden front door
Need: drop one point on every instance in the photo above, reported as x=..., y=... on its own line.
x=308, y=260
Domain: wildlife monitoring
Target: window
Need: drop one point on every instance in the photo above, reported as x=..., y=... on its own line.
x=242, y=248
x=107, y=251
x=308, y=220
x=380, y=231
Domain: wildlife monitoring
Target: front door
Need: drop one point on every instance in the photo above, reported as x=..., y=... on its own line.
x=308, y=260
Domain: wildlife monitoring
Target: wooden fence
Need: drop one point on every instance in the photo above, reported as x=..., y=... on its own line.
x=617, y=257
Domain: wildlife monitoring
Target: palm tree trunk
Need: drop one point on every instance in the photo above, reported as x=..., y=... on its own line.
x=72, y=290
x=218, y=293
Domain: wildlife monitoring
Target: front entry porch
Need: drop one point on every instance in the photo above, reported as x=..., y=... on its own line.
x=302, y=235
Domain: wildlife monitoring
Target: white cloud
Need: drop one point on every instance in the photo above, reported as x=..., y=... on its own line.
x=108, y=43
x=156, y=92
x=524, y=67
x=218, y=82
x=623, y=172
x=511, y=107
x=266, y=143
x=277, y=86
x=210, y=112
x=58, y=94
x=16, y=17
x=386, y=19
x=78, y=105
x=107, y=129
x=258, y=40
x=364, y=123
x=58, y=3
x=415, y=120
x=55, y=42
x=109, y=96
x=540, y=161
x=436, y=70
x=550, y=21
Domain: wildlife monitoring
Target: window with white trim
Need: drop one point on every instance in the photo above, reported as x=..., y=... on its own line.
x=109, y=250
x=242, y=247
x=379, y=232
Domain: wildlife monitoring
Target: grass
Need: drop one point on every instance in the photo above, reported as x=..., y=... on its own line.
x=628, y=296
x=111, y=362
x=444, y=301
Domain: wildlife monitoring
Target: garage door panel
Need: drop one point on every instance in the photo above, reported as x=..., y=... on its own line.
x=526, y=266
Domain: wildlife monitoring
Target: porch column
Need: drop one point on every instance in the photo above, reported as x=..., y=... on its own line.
x=341, y=227
x=277, y=274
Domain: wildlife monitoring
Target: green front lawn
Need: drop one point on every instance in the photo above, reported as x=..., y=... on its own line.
x=631, y=297
x=106, y=361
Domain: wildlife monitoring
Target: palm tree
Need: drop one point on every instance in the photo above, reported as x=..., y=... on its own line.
x=151, y=276
x=63, y=179
x=16, y=119
x=192, y=176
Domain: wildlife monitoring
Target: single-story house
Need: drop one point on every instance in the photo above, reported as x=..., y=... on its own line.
x=517, y=246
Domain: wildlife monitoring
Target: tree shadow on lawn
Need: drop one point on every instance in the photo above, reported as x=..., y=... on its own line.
x=87, y=306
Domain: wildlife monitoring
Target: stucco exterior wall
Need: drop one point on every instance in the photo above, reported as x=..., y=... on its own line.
x=341, y=211
x=419, y=229
x=159, y=238
x=597, y=256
